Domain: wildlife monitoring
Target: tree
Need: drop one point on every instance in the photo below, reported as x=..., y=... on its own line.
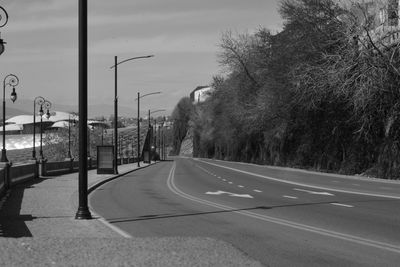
x=180, y=117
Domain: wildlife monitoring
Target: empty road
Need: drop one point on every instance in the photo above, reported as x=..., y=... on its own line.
x=278, y=216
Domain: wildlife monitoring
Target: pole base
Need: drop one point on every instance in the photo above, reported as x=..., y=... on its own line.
x=83, y=213
x=3, y=156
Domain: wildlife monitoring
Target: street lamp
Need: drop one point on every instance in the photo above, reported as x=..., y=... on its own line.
x=38, y=101
x=155, y=128
x=138, y=122
x=47, y=105
x=69, y=156
x=83, y=212
x=11, y=80
x=3, y=21
x=115, y=66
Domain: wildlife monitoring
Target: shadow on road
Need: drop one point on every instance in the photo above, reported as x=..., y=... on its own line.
x=165, y=216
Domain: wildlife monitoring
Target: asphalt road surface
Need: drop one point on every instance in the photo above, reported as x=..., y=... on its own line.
x=277, y=216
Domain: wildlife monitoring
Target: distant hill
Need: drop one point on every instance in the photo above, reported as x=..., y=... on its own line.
x=24, y=106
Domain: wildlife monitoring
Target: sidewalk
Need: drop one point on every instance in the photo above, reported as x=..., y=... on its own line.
x=38, y=228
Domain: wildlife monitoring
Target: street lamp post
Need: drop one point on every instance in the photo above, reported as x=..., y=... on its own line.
x=38, y=101
x=115, y=66
x=155, y=129
x=69, y=156
x=138, y=122
x=47, y=106
x=83, y=208
x=11, y=80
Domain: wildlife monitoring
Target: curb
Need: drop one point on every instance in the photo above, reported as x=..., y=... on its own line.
x=106, y=180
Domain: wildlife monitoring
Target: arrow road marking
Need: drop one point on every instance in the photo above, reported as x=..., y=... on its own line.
x=314, y=192
x=229, y=193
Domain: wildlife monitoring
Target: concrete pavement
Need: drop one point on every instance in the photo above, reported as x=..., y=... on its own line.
x=38, y=228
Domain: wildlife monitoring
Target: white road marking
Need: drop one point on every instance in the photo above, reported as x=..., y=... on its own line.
x=230, y=183
x=314, y=192
x=257, y=191
x=219, y=192
x=241, y=186
x=292, y=197
x=356, y=184
x=224, y=180
x=359, y=240
x=342, y=205
x=301, y=184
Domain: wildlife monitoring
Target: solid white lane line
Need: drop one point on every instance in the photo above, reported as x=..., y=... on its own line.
x=292, y=197
x=342, y=205
x=257, y=191
x=359, y=240
x=300, y=184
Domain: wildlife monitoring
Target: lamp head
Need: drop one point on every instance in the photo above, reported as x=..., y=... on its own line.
x=13, y=95
x=48, y=114
x=2, y=46
x=41, y=111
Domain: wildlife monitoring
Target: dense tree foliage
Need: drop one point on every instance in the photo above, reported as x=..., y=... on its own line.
x=180, y=118
x=323, y=93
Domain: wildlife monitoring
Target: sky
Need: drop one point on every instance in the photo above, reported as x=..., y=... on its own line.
x=183, y=36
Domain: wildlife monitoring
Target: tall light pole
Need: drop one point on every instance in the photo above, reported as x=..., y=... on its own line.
x=69, y=155
x=47, y=105
x=38, y=101
x=10, y=80
x=83, y=209
x=115, y=66
x=138, y=122
x=155, y=128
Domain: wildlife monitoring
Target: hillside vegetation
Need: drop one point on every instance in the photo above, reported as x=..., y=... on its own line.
x=323, y=94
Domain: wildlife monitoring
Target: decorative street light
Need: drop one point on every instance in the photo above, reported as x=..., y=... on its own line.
x=47, y=105
x=11, y=80
x=115, y=66
x=3, y=21
x=138, y=122
x=69, y=156
x=38, y=101
x=155, y=129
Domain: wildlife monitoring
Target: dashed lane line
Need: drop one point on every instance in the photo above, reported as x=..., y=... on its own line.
x=342, y=205
x=351, y=238
x=257, y=191
x=301, y=184
x=291, y=197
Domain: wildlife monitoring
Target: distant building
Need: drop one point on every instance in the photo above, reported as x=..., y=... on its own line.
x=23, y=124
x=384, y=20
x=200, y=94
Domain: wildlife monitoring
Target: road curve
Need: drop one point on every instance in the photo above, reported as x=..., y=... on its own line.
x=307, y=220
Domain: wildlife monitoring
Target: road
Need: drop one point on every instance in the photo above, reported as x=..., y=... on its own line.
x=278, y=216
